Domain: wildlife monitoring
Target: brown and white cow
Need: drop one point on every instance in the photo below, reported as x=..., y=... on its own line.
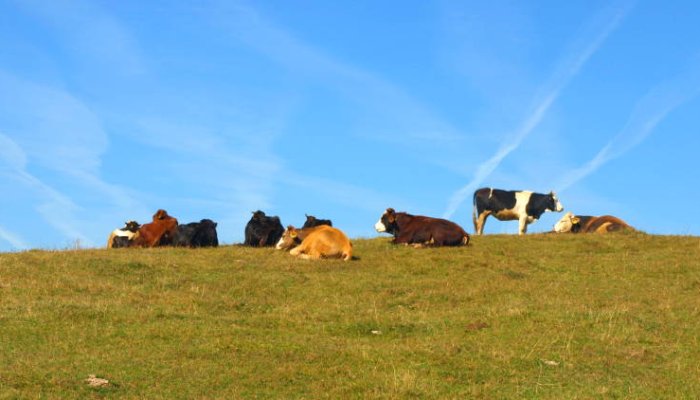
x=420, y=230
x=318, y=242
x=571, y=223
x=159, y=232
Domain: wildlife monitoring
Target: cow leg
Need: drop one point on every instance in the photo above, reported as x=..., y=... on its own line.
x=480, y=222
x=522, y=226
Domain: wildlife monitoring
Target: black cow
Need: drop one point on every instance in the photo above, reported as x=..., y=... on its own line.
x=420, y=230
x=262, y=230
x=312, y=221
x=509, y=205
x=197, y=234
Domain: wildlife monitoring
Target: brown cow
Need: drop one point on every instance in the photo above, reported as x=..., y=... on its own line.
x=319, y=242
x=420, y=230
x=589, y=224
x=159, y=232
x=292, y=237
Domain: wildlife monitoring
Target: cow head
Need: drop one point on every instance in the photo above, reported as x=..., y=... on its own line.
x=309, y=219
x=160, y=214
x=555, y=204
x=131, y=226
x=290, y=238
x=568, y=223
x=387, y=222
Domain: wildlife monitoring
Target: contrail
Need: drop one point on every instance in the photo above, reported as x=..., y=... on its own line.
x=648, y=112
x=559, y=82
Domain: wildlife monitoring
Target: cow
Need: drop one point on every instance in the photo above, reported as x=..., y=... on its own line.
x=262, y=230
x=420, y=231
x=318, y=242
x=122, y=237
x=197, y=234
x=159, y=232
x=312, y=221
x=293, y=237
x=508, y=205
x=571, y=223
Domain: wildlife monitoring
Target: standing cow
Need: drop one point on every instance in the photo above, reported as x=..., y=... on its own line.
x=420, y=230
x=262, y=230
x=509, y=205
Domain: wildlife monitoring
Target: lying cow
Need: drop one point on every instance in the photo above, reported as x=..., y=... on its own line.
x=420, y=230
x=122, y=237
x=571, y=223
x=292, y=237
x=197, y=234
x=159, y=232
x=317, y=242
x=262, y=230
x=508, y=205
x=312, y=221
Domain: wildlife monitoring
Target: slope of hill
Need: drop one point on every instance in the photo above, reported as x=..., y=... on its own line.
x=540, y=316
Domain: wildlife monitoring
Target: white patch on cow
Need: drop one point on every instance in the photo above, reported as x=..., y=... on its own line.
x=379, y=226
x=278, y=246
x=564, y=224
x=123, y=233
x=558, y=207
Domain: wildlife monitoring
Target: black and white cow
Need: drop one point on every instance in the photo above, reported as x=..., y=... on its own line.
x=197, y=234
x=262, y=230
x=509, y=205
x=122, y=237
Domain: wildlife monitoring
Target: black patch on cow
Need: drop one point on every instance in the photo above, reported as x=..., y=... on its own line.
x=262, y=230
x=539, y=203
x=120, y=241
x=494, y=200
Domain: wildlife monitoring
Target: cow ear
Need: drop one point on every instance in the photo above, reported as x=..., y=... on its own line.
x=391, y=218
x=575, y=220
x=293, y=234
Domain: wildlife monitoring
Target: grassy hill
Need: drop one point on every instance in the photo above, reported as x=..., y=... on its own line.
x=541, y=316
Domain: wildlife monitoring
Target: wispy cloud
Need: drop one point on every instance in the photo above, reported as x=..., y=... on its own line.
x=53, y=130
x=405, y=118
x=91, y=33
x=648, y=112
x=56, y=208
x=570, y=66
x=13, y=239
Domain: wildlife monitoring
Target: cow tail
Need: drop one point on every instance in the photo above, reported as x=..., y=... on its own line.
x=474, y=211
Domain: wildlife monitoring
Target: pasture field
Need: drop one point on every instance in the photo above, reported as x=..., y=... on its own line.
x=541, y=316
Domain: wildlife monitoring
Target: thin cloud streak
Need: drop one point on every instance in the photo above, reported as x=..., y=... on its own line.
x=13, y=239
x=560, y=80
x=248, y=26
x=649, y=111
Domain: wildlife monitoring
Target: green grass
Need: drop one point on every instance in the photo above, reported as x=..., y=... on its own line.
x=541, y=316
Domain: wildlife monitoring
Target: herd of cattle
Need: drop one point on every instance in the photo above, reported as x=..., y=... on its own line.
x=319, y=239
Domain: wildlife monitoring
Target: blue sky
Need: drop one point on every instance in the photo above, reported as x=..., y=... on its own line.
x=213, y=109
